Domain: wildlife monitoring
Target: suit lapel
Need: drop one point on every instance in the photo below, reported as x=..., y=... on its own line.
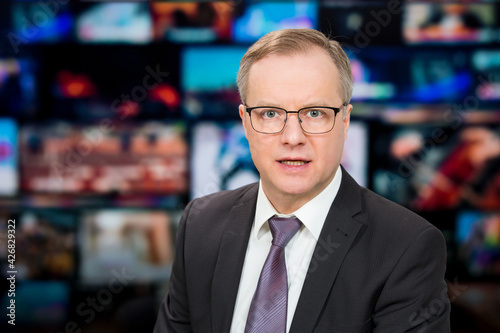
x=337, y=235
x=230, y=261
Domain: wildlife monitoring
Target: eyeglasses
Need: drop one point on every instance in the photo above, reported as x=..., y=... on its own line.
x=312, y=120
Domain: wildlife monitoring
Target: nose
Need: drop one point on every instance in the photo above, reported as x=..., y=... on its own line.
x=292, y=134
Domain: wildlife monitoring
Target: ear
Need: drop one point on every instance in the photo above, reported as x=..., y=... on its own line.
x=243, y=112
x=347, y=120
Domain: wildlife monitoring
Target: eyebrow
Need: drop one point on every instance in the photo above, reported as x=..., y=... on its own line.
x=314, y=103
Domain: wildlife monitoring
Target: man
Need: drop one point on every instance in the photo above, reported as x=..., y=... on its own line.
x=354, y=262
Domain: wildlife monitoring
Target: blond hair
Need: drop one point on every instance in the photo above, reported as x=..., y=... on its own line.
x=293, y=41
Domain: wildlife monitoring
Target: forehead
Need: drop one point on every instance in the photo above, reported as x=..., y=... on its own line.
x=297, y=78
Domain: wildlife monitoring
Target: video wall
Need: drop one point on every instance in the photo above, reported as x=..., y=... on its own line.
x=113, y=115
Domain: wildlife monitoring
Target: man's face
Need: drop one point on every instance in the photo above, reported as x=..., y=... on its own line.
x=295, y=166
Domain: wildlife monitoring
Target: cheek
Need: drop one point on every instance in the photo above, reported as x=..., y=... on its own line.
x=329, y=152
x=260, y=150
x=260, y=143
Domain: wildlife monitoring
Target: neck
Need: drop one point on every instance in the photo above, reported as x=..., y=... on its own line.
x=287, y=206
x=287, y=203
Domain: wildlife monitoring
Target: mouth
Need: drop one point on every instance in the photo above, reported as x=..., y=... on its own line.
x=289, y=162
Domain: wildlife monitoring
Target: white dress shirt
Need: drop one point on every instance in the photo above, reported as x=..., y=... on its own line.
x=298, y=252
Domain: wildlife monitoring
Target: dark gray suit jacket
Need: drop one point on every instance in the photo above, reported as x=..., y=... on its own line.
x=377, y=267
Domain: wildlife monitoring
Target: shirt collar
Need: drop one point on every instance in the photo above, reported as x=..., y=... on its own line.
x=312, y=214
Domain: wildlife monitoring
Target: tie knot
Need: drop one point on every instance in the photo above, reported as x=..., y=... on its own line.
x=283, y=229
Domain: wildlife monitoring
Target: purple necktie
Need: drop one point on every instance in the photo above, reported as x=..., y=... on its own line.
x=269, y=304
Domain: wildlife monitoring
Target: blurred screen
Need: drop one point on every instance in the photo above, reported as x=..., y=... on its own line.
x=220, y=159
x=8, y=157
x=478, y=241
x=220, y=75
x=259, y=18
x=439, y=76
x=147, y=158
x=356, y=25
x=372, y=75
x=403, y=75
x=137, y=241
x=89, y=83
x=355, y=155
x=416, y=166
x=45, y=244
x=40, y=22
x=449, y=22
x=126, y=22
x=211, y=91
x=119, y=306
x=192, y=22
x=18, y=88
x=486, y=64
x=39, y=303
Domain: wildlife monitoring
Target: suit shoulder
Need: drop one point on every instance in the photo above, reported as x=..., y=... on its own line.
x=225, y=200
x=392, y=229
x=384, y=212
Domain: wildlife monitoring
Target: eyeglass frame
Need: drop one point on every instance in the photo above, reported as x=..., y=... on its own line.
x=336, y=110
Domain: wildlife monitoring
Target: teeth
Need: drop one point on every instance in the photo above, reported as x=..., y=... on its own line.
x=293, y=162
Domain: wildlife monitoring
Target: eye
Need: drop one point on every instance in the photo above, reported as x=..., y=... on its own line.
x=269, y=114
x=314, y=113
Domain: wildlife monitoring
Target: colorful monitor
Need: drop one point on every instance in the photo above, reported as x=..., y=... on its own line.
x=8, y=157
x=433, y=23
x=149, y=158
x=134, y=242
x=210, y=90
x=192, y=22
x=220, y=158
x=478, y=241
x=432, y=168
x=127, y=22
x=259, y=18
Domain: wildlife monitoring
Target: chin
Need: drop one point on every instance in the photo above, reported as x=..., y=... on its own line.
x=295, y=189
